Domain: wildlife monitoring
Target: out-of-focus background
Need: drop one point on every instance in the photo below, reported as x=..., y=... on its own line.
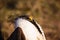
x=45, y=12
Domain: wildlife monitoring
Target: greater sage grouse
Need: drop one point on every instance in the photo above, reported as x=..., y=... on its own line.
x=27, y=29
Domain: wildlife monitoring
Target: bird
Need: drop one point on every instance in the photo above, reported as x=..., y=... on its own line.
x=26, y=28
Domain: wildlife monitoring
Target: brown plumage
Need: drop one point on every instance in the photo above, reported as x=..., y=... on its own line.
x=17, y=35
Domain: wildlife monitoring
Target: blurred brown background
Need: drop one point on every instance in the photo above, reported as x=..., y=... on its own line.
x=45, y=12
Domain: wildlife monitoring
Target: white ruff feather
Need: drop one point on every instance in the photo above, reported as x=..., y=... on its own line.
x=29, y=30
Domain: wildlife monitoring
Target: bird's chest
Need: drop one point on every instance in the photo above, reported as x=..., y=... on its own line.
x=30, y=31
